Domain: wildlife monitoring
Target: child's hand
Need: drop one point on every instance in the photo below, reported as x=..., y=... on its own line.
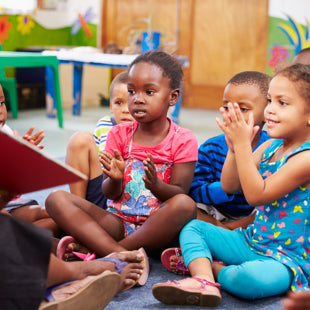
x=297, y=301
x=36, y=138
x=235, y=128
x=150, y=179
x=114, y=166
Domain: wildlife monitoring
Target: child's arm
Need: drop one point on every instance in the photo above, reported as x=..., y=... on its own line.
x=180, y=182
x=114, y=167
x=206, y=186
x=230, y=178
x=259, y=191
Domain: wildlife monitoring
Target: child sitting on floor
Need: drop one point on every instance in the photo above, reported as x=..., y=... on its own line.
x=27, y=267
x=249, y=90
x=270, y=257
x=83, y=147
x=147, y=163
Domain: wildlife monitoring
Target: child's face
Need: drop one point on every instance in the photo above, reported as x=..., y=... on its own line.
x=249, y=99
x=287, y=113
x=118, y=104
x=3, y=111
x=149, y=93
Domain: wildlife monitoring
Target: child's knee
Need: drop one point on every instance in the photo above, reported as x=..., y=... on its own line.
x=182, y=205
x=238, y=281
x=249, y=281
x=80, y=140
x=53, y=200
x=197, y=226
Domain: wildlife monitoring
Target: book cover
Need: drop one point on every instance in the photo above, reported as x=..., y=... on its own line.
x=25, y=168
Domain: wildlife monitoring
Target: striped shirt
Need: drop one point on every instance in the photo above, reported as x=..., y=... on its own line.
x=100, y=134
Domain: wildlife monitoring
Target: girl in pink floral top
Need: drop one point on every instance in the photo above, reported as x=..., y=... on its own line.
x=148, y=170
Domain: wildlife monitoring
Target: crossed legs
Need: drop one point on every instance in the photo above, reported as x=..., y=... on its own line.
x=247, y=274
x=103, y=232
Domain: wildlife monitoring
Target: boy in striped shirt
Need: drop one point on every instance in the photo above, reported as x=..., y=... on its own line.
x=249, y=89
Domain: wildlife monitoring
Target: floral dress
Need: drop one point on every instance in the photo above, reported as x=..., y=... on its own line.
x=137, y=203
x=281, y=229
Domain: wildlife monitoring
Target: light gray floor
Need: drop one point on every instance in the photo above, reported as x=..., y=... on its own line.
x=201, y=122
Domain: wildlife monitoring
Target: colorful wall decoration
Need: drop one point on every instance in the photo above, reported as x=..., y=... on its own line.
x=289, y=31
x=69, y=23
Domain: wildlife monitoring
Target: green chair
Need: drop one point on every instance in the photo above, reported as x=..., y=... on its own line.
x=23, y=60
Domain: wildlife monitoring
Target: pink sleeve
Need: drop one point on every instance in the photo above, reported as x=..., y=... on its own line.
x=114, y=140
x=185, y=146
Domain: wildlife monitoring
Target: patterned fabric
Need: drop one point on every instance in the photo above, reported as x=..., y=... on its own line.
x=137, y=203
x=281, y=229
x=101, y=131
x=206, y=186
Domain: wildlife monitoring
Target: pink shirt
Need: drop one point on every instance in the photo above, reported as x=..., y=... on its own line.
x=179, y=146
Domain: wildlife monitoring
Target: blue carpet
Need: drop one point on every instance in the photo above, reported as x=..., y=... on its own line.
x=142, y=298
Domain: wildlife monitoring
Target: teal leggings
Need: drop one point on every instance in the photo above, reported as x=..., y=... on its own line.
x=248, y=275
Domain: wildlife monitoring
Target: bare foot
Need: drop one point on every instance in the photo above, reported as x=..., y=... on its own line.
x=133, y=270
x=173, y=262
x=74, y=247
x=130, y=273
x=177, y=265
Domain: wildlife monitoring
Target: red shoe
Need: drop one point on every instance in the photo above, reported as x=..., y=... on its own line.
x=62, y=250
x=180, y=267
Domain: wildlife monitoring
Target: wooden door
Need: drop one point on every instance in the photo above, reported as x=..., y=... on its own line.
x=220, y=37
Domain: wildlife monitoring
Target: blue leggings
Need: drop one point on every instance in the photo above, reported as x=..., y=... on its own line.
x=248, y=275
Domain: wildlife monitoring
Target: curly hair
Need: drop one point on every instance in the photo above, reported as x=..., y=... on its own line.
x=300, y=75
x=261, y=80
x=169, y=65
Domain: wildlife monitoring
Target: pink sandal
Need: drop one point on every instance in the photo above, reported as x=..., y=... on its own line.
x=62, y=249
x=180, y=267
x=172, y=293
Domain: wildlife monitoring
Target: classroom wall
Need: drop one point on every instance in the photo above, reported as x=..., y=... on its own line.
x=221, y=38
x=54, y=27
x=60, y=26
x=288, y=33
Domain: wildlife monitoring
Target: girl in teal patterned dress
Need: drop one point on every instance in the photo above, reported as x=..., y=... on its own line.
x=272, y=255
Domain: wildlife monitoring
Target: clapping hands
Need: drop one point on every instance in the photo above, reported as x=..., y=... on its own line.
x=114, y=166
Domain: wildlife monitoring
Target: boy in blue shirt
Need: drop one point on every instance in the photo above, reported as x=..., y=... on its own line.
x=249, y=89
